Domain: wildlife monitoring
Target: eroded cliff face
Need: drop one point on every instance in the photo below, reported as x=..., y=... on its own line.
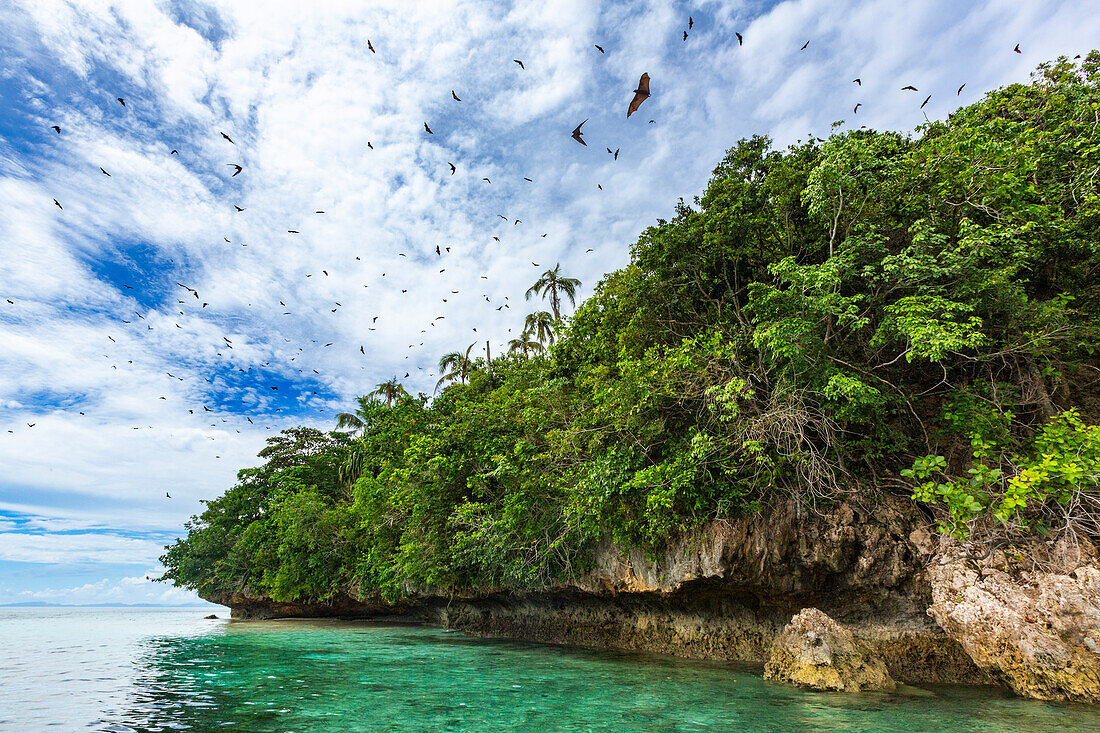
x=1037, y=631
x=725, y=592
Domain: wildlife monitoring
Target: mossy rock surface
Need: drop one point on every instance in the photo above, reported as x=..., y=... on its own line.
x=816, y=652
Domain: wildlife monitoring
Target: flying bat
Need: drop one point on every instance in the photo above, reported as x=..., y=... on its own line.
x=576, y=134
x=641, y=94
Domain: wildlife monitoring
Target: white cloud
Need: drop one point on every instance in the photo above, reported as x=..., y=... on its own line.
x=77, y=548
x=126, y=590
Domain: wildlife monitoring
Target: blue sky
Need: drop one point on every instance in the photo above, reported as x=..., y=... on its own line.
x=178, y=392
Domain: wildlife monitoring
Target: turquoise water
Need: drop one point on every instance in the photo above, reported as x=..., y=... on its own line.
x=160, y=670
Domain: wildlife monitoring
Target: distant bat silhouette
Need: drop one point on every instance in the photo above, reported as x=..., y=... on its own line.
x=238, y=208
x=740, y=38
x=691, y=22
x=857, y=80
x=520, y=64
x=807, y=43
x=576, y=134
x=452, y=168
x=598, y=47
x=228, y=138
x=925, y=101
x=641, y=94
x=959, y=90
x=56, y=129
x=685, y=35
x=234, y=165
x=59, y=205
x=428, y=129
x=856, y=108
x=370, y=46
x=455, y=96
x=104, y=172
x=121, y=101
x=1017, y=49
x=909, y=88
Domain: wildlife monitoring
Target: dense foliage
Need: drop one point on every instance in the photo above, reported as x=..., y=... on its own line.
x=874, y=313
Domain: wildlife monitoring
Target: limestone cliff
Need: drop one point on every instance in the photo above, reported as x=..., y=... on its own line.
x=724, y=592
x=1037, y=631
x=728, y=590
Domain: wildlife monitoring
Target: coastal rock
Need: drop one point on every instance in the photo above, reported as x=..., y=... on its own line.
x=213, y=615
x=816, y=652
x=786, y=549
x=723, y=592
x=1038, y=632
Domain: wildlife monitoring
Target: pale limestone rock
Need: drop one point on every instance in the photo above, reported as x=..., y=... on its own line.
x=1038, y=632
x=816, y=652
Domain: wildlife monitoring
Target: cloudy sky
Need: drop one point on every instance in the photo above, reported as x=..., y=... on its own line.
x=137, y=387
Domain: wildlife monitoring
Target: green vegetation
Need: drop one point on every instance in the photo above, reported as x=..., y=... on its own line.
x=878, y=313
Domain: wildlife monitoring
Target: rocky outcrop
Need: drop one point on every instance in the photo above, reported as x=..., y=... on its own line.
x=816, y=652
x=1037, y=632
x=727, y=591
x=865, y=554
x=724, y=592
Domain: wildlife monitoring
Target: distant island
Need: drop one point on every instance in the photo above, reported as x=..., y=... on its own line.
x=841, y=415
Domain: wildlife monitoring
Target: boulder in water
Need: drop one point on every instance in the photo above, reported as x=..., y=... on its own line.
x=815, y=651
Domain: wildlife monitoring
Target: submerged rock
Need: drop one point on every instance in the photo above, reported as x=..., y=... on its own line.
x=1038, y=632
x=816, y=652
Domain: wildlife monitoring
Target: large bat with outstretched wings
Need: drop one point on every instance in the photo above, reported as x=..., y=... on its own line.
x=640, y=95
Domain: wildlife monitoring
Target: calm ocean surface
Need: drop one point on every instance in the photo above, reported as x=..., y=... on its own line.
x=168, y=669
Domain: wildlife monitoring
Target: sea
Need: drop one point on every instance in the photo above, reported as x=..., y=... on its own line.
x=160, y=669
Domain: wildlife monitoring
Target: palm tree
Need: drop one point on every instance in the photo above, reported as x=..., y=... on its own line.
x=455, y=365
x=354, y=420
x=551, y=282
x=540, y=324
x=524, y=344
x=390, y=390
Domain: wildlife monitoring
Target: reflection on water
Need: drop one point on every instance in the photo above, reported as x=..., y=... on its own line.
x=117, y=670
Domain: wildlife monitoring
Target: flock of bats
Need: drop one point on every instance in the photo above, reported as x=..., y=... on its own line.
x=641, y=94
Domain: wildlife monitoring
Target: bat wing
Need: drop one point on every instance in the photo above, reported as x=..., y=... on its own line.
x=643, y=84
